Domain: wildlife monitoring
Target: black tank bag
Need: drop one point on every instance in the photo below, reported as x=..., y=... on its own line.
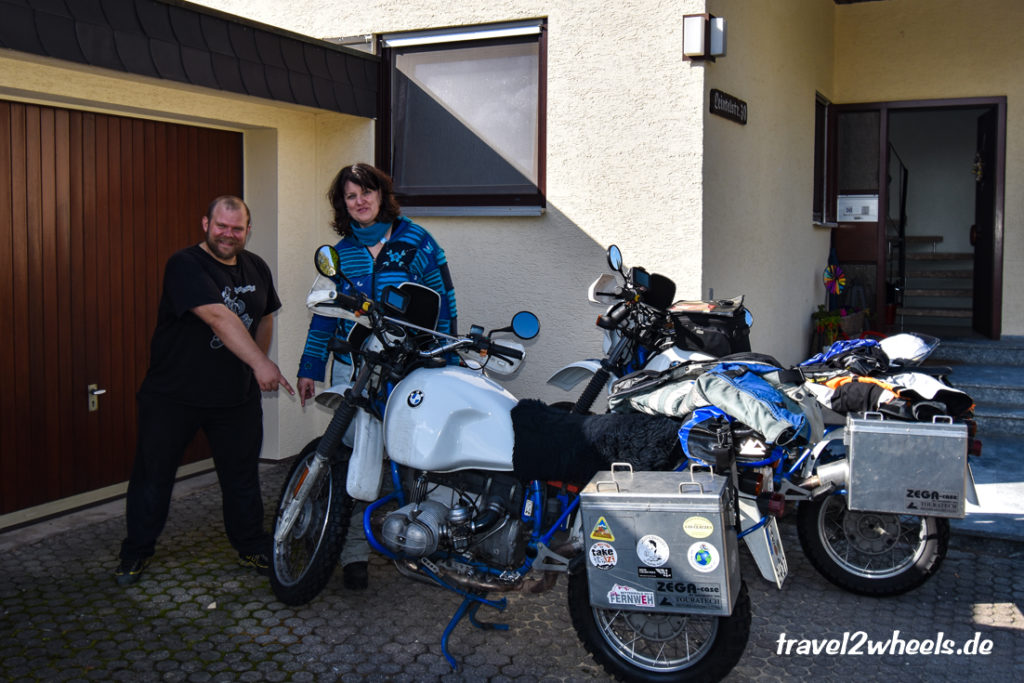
x=717, y=328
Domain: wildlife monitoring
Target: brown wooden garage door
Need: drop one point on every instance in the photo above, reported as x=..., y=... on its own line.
x=91, y=206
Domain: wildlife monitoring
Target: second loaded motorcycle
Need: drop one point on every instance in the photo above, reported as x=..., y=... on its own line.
x=874, y=486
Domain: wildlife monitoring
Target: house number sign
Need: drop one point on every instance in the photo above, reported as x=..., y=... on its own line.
x=725, y=105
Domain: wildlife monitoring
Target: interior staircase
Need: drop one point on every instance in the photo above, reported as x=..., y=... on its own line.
x=937, y=285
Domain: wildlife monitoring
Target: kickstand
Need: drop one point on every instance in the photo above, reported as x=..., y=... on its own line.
x=485, y=625
x=470, y=604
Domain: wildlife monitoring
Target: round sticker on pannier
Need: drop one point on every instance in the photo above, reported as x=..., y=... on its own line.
x=652, y=550
x=603, y=556
x=703, y=557
x=698, y=527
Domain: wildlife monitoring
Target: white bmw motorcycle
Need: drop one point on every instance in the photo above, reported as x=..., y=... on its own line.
x=461, y=486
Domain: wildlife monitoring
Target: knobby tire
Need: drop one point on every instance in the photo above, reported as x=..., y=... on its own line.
x=871, y=553
x=302, y=565
x=712, y=662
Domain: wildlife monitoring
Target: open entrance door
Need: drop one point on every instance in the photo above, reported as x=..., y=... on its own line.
x=986, y=233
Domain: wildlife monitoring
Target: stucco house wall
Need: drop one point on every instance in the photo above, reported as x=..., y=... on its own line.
x=759, y=239
x=635, y=158
x=624, y=161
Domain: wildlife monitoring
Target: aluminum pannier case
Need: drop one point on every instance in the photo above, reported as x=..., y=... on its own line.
x=660, y=541
x=908, y=468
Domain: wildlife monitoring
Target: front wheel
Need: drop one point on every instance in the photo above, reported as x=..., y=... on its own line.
x=659, y=646
x=304, y=560
x=871, y=553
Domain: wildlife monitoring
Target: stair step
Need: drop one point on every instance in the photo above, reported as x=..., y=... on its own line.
x=991, y=398
x=939, y=292
x=936, y=312
x=991, y=372
x=941, y=256
x=923, y=239
x=982, y=357
x=1003, y=422
x=997, y=375
x=941, y=273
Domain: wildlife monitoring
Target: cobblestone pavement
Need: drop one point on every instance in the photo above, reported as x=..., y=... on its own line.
x=197, y=616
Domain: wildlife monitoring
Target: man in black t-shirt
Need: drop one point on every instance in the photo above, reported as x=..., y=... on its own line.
x=208, y=364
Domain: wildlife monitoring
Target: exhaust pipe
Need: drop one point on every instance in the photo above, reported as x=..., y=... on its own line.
x=833, y=475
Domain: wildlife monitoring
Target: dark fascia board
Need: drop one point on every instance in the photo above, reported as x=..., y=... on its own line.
x=179, y=41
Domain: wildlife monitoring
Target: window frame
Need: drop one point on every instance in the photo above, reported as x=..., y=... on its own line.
x=820, y=213
x=391, y=45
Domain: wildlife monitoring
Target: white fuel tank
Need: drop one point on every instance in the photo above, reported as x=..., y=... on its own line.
x=447, y=419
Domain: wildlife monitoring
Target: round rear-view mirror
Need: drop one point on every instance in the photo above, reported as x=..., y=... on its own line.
x=525, y=325
x=327, y=261
x=615, y=258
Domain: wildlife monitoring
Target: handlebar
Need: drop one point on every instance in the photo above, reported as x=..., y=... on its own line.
x=368, y=312
x=614, y=317
x=479, y=342
x=352, y=303
x=499, y=350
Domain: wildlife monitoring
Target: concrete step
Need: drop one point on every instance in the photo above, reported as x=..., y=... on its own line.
x=1005, y=352
x=997, y=390
x=1000, y=419
x=959, y=273
x=936, y=312
x=988, y=396
x=977, y=376
x=992, y=372
x=963, y=293
x=992, y=383
x=922, y=239
x=998, y=476
x=941, y=256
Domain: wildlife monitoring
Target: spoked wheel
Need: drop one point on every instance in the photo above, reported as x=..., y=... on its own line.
x=304, y=560
x=658, y=646
x=871, y=553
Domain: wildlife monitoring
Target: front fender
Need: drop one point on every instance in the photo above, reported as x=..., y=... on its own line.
x=574, y=373
x=331, y=397
x=365, y=436
x=367, y=461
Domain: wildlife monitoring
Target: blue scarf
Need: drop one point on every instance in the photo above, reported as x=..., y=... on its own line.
x=371, y=235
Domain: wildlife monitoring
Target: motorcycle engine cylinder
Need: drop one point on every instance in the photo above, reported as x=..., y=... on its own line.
x=459, y=515
x=415, y=529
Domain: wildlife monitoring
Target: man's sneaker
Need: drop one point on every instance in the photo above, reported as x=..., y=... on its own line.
x=130, y=570
x=257, y=561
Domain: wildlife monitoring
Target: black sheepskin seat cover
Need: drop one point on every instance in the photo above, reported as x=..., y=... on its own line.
x=551, y=444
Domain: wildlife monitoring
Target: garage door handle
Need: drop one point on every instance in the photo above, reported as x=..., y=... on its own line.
x=94, y=393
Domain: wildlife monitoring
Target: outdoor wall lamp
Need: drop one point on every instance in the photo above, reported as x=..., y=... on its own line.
x=703, y=37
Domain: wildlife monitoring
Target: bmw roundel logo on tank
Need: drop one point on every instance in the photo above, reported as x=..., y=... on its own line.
x=415, y=398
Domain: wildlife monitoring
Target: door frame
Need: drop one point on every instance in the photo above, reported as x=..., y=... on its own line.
x=992, y=298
